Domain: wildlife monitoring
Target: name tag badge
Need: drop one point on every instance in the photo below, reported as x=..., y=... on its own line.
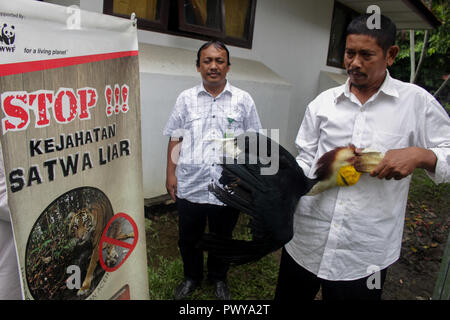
x=229, y=132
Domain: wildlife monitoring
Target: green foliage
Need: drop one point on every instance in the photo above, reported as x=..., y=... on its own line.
x=447, y=107
x=437, y=59
x=440, y=39
x=423, y=189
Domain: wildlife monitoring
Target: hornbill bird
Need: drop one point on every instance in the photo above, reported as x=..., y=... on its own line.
x=248, y=183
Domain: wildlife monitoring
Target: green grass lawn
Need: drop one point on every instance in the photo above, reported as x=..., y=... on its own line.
x=165, y=271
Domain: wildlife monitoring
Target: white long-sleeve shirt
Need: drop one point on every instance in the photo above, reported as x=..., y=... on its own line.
x=347, y=233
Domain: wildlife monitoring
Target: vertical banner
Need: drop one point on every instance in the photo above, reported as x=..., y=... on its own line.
x=71, y=142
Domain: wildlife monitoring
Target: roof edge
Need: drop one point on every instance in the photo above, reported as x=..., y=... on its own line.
x=422, y=10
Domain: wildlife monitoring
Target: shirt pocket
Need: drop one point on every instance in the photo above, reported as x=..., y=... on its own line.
x=384, y=141
x=235, y=120
x=193, y=120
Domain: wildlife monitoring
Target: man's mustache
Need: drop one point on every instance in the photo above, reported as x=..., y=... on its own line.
x=356, y=72
x=213, y=72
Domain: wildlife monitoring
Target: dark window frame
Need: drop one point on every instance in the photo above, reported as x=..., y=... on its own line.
x=249, y=25
x=336, y=47
x=164, y=25
x=185, y=26
x=159, y=25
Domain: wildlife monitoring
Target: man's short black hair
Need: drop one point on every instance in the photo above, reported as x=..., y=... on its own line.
x=217, y=45
x=385, y=35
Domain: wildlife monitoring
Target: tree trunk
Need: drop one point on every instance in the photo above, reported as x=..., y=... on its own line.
x=441, y=87
x=412, y=55
x=422, y=55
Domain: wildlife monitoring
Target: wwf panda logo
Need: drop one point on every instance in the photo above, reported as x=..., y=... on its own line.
x=8, y=34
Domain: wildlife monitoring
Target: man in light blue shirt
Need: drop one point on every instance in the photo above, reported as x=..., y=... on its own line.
x=202, y=116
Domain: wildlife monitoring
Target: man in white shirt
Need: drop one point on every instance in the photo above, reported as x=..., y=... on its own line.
x=9, y=270
x=345, y=238
x=201, y=117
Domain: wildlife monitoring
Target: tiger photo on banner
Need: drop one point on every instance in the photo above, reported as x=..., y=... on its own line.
x=71, y=144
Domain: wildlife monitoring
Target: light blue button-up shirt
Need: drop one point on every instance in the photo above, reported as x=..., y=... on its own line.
x=202, y=120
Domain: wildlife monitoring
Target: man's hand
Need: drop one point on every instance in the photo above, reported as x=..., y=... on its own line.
x=171, y=185
x=400, y=163
x=173, y=153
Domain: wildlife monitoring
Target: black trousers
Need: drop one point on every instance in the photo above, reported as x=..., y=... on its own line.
x=295, y=282
x=192, y=219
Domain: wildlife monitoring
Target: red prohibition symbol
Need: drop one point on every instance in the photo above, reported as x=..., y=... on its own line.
x=115, y=246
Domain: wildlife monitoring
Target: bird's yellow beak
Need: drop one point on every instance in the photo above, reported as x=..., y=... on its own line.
x=347, y=176
x=366, y=162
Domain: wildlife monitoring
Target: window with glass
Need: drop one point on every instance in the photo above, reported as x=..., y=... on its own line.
x=342, y=15
x=230, y=21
